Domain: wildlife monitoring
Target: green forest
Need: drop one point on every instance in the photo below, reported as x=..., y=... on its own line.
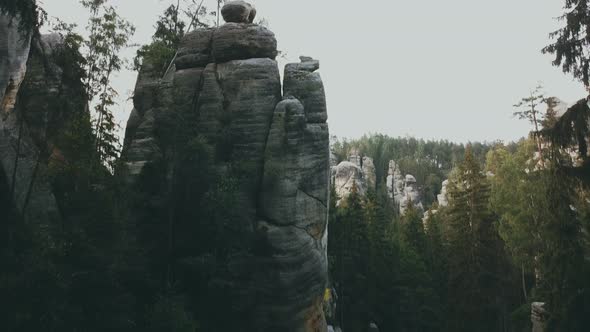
x=169, y=248
x=513, y=233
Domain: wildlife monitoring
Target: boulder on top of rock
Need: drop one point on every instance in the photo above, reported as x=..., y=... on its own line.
x=235, y=41
x=238, y=12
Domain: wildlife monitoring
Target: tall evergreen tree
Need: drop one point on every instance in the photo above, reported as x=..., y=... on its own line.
x=475, y=253
x=352, y=270
x=383, y=260
x=572, y=41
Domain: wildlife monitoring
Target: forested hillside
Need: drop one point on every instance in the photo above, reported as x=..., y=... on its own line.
x=429, y=161
x=511, y=230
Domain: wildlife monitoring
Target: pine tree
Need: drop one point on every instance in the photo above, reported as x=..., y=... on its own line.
x=564, y=271
x=572, y=41
x=353, y=269
x=531, y=113
x=474, y=253
x=383, y=260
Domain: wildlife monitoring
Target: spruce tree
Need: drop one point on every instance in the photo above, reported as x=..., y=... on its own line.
x=474, y=253
x=572, y=41
x=353, y=271
x=383, y=260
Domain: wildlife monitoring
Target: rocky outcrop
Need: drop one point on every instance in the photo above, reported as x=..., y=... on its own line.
x=395, y=182
x=238, y=41
x=442, y=200
x=402, y=190
x=346, y=176
x=369, y=173
x=373, y=327
x=410, y=195
x=443, y=197
x=226, y=85
x=37, y=99
x=358, y=172
x=538, y=317
x=14, y=54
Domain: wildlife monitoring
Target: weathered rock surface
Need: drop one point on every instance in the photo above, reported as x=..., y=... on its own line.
x=395, y=182
x=347, y=175
x=195, y=49
x=28, y=127
x=304, y=83
x=14, y=54
x=443, y=198
x=373, y=327
x=238, y=12
x=227, y=85
x=334, y=329
x=232, y=41
x=443, y=201
x=402, y=190
x=369, y=173
x=141, y=146
x=236, y=41
x=357, y=172
x=411, y=195
x=538, y=317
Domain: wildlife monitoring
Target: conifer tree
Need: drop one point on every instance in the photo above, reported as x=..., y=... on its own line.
x=383, y=260
x=572, y=42
x=474, y=253
x=353, y=270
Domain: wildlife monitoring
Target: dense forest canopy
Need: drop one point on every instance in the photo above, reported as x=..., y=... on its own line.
x=166, y=251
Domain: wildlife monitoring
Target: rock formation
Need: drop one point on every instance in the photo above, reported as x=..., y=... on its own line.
x=369, y=173
x=538, y=316
x=442, y=198
x=14, y=54
x=402, y=190
x=226, y=83
x=411, y=194
x=32, y=84
x=395, y=182
x=345, y=176
x=357, y=171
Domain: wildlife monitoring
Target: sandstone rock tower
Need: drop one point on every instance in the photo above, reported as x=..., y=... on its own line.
x=31, y=74
x=402, y=190
x=356, y=171
x=274, y=138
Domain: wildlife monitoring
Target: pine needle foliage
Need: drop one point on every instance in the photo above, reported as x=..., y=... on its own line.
x=571, y=46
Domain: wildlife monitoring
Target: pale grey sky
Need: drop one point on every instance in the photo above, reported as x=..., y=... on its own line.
x=430, y=69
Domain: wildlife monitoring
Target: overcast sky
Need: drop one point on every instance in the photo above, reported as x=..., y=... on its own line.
x=430, y=69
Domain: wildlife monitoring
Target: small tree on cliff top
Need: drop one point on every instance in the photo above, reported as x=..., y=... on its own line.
x=529, y=110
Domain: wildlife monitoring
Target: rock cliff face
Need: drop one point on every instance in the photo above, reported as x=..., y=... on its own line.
x=538, y=316
x=402, y=189
x=32, y=84
x=226, y=83
x=14, y=53
x=443, y=198
x=356, y=172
